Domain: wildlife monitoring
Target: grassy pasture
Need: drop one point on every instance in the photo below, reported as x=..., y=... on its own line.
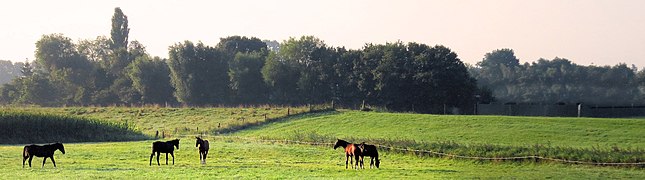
x=252, y=160
x=171, y=121
x=612, y=140
x=498, y=130
x=234, y=158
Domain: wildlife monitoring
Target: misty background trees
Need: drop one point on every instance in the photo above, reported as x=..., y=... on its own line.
x=558, y=81
x=301, y=70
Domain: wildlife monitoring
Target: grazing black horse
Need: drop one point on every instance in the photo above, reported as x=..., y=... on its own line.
x=370, y=150
x=203, y=149
x=164, y=147
x=351, y=150
x=46, y=151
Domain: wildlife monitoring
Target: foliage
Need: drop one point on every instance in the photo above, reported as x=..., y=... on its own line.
x=22, y=127
x=557, y=81
x=9, y=71
x=150, y=77
x=240, y=70
x=247, y=84
x=199, y=74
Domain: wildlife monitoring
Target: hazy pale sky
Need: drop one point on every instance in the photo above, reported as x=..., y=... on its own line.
x=602, y=32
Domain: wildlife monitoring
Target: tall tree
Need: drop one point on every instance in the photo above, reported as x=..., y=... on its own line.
x=281, y=78
x=234, y=44
x=312, y=59
x=120, y=30
x=151, y=78
x=246, y=78
x=199, y=74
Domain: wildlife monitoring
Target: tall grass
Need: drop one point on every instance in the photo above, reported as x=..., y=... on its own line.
x=24, y=127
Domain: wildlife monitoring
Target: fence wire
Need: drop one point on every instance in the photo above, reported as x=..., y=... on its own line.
x=444, y=154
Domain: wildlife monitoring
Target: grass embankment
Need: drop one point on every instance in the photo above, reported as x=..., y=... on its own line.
x=174, y=121
x=583, y=139
x=252, y=160
x=22, y=127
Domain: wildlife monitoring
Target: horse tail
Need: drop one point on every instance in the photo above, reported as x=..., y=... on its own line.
x=25, y=152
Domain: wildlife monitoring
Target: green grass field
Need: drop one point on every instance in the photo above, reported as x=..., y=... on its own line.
x=500, y=130
x=171, y=121
x=234, y=158
x=253, y=160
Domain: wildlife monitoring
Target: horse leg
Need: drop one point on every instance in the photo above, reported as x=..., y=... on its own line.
x=158, y=154
x=153, y=154
x=45, y=159
x=346, y=158
x=173, y=158
x=24, y=158
x=30, y=158
x=53, y=160
x=371, y=162
x=166, y=158
x=357, y=157
x=205, y=154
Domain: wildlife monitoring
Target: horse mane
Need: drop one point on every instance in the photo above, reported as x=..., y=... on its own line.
x=341, y=142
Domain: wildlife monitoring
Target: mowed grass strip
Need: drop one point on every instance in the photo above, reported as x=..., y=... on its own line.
x=234, y=159
x=495, y=130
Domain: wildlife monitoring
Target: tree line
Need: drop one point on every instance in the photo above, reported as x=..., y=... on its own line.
x=9, y=70
x=558, y=81
x=240, y=70
x=248, y=71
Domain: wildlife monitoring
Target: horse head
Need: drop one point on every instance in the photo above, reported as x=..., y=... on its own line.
x=377, y=163
x=340, y=143
x=60, y=147
x=176, y=143
x=199, y=141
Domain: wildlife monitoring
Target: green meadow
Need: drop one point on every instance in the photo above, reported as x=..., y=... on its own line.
x=241, y=154
x=252, y=160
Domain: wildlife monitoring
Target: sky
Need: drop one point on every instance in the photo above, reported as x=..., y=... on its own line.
x=587, y=32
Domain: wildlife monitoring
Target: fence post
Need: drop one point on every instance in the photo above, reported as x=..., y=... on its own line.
x=444, y=109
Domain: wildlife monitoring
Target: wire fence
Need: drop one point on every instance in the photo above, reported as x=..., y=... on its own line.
x=536, y=158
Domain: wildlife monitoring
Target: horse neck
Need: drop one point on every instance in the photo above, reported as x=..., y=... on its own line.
x=344, y=144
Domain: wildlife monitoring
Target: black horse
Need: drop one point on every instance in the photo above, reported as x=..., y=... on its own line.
x=203, y=149
x=351, y=150
x=370, y=150
x=164, y=147
x=46, y=151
